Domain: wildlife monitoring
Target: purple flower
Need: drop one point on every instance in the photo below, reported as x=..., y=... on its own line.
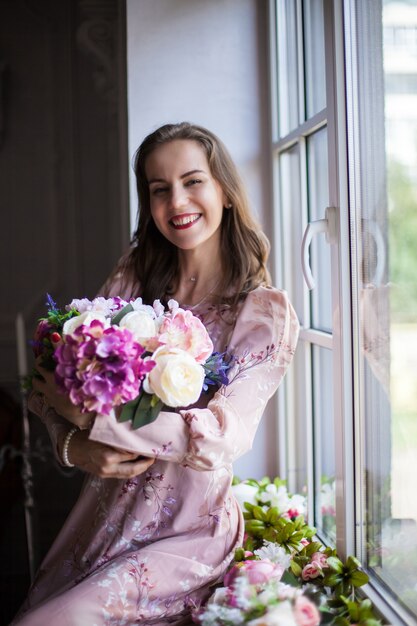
x=216, y=368
x=100, y=367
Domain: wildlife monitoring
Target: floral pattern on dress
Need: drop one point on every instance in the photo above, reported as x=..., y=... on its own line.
x=145, y=550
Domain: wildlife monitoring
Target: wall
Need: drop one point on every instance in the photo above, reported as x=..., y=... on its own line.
x=206, y=62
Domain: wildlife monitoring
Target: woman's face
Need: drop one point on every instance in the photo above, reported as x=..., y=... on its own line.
x=186, y=201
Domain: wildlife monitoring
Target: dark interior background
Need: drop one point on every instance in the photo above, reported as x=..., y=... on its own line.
x=64, y=223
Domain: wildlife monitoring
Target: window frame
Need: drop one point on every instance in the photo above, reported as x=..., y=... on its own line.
x=341, y=118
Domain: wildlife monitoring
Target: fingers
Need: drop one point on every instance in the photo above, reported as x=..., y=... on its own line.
x=129, y=469
x=104, y=461
x=126, y=469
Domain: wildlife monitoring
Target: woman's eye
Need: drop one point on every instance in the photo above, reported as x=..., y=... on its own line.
x=193, y=181
x=157, y=191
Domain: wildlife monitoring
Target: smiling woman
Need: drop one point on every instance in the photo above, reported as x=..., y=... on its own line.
x=186, y=209
x=185, y=171
x=148, y=547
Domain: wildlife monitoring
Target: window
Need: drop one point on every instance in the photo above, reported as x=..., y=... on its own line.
x=344, y=148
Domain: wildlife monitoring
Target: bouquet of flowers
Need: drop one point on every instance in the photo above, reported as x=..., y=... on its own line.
x=109, y=352
x=282, y=575
x=254, y=594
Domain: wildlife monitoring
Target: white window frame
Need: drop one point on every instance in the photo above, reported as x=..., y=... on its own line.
x=341, y=119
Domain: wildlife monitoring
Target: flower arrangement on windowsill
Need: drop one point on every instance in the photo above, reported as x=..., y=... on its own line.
x=283, y=576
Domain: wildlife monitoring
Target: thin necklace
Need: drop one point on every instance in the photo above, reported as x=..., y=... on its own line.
x=193, y=306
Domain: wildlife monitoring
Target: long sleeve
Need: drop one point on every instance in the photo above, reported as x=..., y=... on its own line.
x=55, y=424
x=262, y=343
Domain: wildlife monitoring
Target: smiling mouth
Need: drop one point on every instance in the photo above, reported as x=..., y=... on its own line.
x=184, y=221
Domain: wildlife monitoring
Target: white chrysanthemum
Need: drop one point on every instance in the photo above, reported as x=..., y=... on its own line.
x=274, y=553
x=277, y=496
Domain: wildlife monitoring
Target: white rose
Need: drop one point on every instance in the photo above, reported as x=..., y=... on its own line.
x=141, y=324
x=245, y=493
x=177, y=379
x=84, y=319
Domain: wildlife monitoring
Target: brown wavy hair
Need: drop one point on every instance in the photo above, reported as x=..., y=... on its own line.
x=153, y=260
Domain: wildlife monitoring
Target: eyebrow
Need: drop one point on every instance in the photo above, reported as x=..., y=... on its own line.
x=161, y=180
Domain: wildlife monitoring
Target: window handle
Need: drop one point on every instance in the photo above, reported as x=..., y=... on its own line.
x=326, y=225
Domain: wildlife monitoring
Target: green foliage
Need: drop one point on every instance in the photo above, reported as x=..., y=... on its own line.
x=141, y=411
x=335, y=583
x=269, y=525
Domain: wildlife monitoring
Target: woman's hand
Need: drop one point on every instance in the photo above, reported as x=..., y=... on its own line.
x=57, y=400
x=104, y=461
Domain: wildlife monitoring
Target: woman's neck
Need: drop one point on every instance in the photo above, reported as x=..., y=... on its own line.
x=198, y=278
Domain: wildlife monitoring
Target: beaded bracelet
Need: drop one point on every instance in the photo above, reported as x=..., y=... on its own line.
x=65, y=447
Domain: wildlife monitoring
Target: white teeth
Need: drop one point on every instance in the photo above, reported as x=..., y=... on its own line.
x=181, y=221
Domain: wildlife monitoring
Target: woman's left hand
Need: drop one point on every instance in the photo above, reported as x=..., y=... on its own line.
x=58, y=400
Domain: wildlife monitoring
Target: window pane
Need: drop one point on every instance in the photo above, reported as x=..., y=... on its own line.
x=296, y=429
x=292, y=230
x=387, y=44
x=314, y=56
x=324, y=443
x=318, y=200
x=288, y=114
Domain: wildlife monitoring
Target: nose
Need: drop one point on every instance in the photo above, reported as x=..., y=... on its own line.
x=179, y=197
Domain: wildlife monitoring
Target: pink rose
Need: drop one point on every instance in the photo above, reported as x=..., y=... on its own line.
x=320, y=559
x=183, y=330
x=310, y=571
x=257, y=572
x=306, y=613
x=291, y=514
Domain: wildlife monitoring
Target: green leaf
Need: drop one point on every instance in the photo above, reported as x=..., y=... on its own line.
x=341, y=621
x=272, y=515
x=254, y=526
x=312, y=548
x=239, y=554
x=258, y=513
x=126, y=309
x=331, y=580
x=291, y=578
x=295, y=568
x=128, y=411
x=352, y=563
x=335, y=564
x=358, y=578
x=140, y=411
x=353, y=609
x=145, y=412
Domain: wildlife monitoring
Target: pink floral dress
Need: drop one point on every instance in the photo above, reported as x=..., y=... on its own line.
x=147, y=550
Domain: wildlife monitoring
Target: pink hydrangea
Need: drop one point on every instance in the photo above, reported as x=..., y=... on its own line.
x=100, y=367
x=183, y=330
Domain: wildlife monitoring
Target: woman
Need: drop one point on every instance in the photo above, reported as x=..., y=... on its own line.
x=156, y=523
